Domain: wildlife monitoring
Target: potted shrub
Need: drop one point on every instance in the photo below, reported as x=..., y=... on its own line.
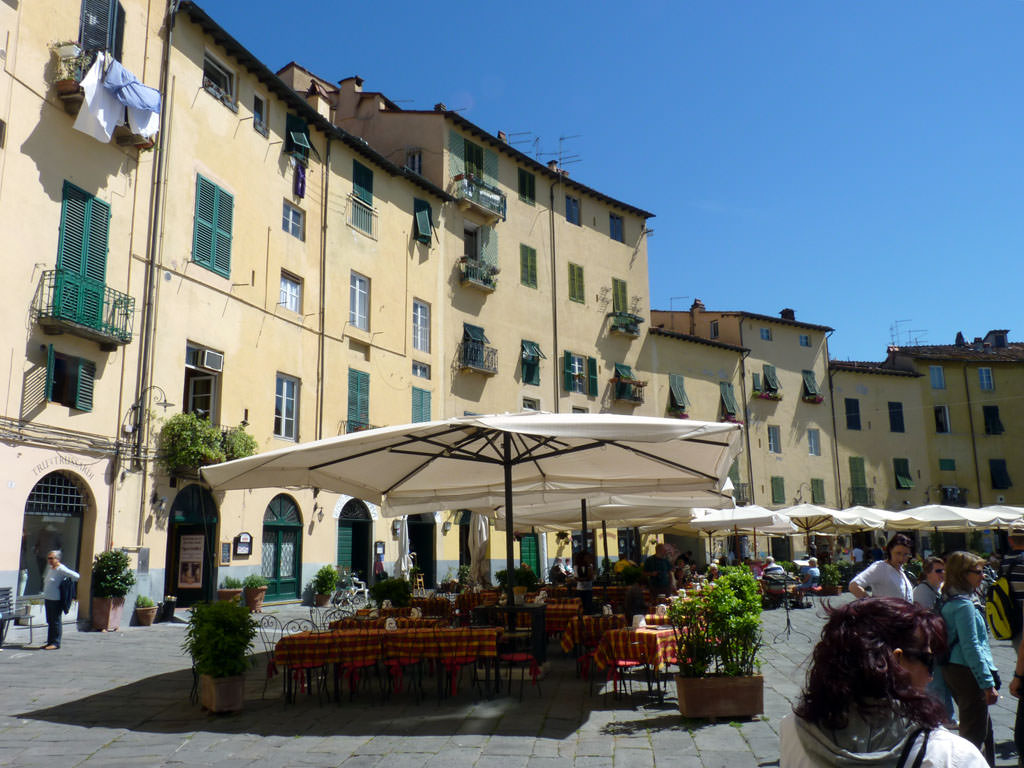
x=324, y=584
x=718, y=636
x=187, y=442
x=254, y=589
x=112, y=579
x=523, y=577
x=398, y=591
x=830, y=579
x=145, y=611
x=70, y=63
x=237, y=443
x=218, y=638
x=230, y=589
x=465, y=577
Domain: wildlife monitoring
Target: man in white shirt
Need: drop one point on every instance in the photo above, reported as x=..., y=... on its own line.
x=857, y=555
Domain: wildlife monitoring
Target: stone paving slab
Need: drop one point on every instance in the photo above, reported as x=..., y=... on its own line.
x=121, y=698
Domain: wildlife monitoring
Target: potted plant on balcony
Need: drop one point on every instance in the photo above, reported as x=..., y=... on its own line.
x=718, y=636
x=188, y=442
x=324, y=583
x=112, y=579
x=70, y=62
x=230, y=589
x=145, y=611
x=218, y=637
x=254, y=589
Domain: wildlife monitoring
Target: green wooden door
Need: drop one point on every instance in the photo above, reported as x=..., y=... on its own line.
x=282, y=549
x=529, y=552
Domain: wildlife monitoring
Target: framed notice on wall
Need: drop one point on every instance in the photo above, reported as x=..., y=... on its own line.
x=225, y=553
x=190, y=561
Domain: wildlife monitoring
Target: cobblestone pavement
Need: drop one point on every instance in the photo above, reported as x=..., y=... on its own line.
x=121, y=698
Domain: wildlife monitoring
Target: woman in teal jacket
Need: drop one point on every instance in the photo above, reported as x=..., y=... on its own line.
x=970, y=674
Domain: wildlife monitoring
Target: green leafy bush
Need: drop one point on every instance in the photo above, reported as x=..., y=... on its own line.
x=254, y=581
x=718, y=630
x=237, y=443
x=787, y=565
x=631, y=574
x=325, y=581
x=830, y=576
x=523, y=577
x=398, y=591
x=187, y=442
x=144, y=602
x=464, y=575
x=218, y=637
x=230, y=582
x=111, y=574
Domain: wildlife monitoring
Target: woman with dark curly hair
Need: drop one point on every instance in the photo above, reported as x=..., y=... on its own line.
x=865, y=702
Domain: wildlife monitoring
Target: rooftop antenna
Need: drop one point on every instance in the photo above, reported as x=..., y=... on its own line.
x=562, y=158
x=894, y=332
x=672, y=300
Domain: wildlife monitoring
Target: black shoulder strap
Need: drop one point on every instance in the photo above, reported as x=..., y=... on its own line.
x=921, y=752
x=909, y=744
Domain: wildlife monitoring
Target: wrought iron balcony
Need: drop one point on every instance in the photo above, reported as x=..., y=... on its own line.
x=862, y=495
x=628, y=390
x=362, y=216
x=954, y=496
x=741, y=493
x=472, y=190
x=69, y=302
x=475, y=356
x=625, y=323
x=479, y=274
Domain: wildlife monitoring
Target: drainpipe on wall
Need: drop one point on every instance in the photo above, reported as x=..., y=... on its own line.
x=974, y=440
x=557, y=357
x=321, y=351
x=746, y=412
x=835, y=429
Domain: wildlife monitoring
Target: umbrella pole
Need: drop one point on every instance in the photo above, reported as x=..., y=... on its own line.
x=604, y=534
x=509, y=524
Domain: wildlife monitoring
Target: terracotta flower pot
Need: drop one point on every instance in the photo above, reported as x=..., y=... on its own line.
x=254, y=599
x=714, y=697
x=320, y=600
x=227, y=595
x=106, y=613
x=222, y=694
x=67, y=86
x=144, y=616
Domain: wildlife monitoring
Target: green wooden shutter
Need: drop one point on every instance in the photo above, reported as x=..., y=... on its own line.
x=488, y=245
x=528, y=266
x=947, y=465
x=778, y=490
x=71, y=246
x=424, y=220
x=993, y=424
x=817, y=490
x=756, y=381
x=620, y=296
x=358, y=398
x=527, y=187
x=206, y=206
x=858, y=480
x=1000, y=476
x=474, y=155
x=677, y=390
x=576, y=287
x=771, y=380
x=567, y=371
x=456, y=153
x=810, y=384
x=50, y=370
x=728, y=398
x=901, y=469
x=362, y=182
x=84, y=389
x=529, y=552
x=592, y=376
x=222, y=233
x=420, y=404
x=491, y=169
x=344, y=548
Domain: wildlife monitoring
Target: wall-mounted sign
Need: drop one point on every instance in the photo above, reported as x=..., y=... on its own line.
x=190, y=561
x=243, y=544
x=225, y=553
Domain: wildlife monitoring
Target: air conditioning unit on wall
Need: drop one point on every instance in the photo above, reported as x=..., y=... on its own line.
x=214, y=361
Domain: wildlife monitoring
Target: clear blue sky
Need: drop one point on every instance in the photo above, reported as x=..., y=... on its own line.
x=861, y=161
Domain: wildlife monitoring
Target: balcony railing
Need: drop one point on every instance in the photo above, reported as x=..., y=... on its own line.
x=953, y=496
x=479, y=274
x=628, y=390
x=362, y=216
x=625, y=323
x=70, y=302
x=472, y=190
x=862, y=495
x=356, y=426
x=476, y=356
x=741, y=493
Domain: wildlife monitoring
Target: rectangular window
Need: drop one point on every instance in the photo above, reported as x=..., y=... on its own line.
x=1000, y=477
x=358, y=400
x=985, y=380
x=219, y=82
x=615, y=230
x=778, y=490
x=474, y=155
x=942, y=419
x=211, y=239
x=259, y=114
x=947, y=465
x=293, y=221
x=938, y=376
x=101, y=26
x=420, y=325
x=420, y=370
x=774, y=439
x=993, y=425
x=895, y=417
x=766, y=334
x=817, y=490
x=531, y=404
x=678, y=400
x=423, y=221
x=579, y=374
x=859, y=491
x=576, y=288
x=531, y=357
x=811, y=390
x=572, y=210
x=286, y=407
x=901, y=469
x=805, y=340
x=202, y=381
x=852, y=413
x=296, y=138
x=70, y=381
x=714, y=329
x=771, y=379
x=528, y=266
x=620, y=296
x=359, y=301
x=527, y=187
x=291, y=292
x=414, y=161
x=729, y=408
x=813, y=442
x=420, y=404
x=362, y=183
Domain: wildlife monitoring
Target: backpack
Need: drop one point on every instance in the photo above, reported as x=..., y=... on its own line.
x=1001, y=610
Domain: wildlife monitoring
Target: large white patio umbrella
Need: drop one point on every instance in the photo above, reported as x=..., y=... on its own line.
x=945, y=517
x=480, y=462
x=479, y=533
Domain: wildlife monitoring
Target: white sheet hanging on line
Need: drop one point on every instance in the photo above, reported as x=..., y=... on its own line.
x=101, y=112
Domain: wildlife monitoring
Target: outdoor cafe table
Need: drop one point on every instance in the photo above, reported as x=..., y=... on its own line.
x=587, y=630
x=403, y=622
x=654, y=647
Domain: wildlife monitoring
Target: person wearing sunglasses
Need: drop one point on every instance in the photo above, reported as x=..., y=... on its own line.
x=971, y=674
x=55, y=573
x=927, y=595
x=864, y=702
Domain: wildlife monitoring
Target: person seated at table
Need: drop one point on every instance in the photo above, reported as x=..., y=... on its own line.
x=557, y=575
x=682, y=572
x=772, y=569
x=713, y=571
x=658, y=571
x=812, y=576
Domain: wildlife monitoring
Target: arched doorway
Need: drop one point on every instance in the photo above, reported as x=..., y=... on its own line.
x=421, y=543
x=192, y=546
x=282, y=549
x=54, y=513
x=465, y=555
x=355, y=528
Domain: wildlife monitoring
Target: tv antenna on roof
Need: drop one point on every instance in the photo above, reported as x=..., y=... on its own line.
x=562, y=158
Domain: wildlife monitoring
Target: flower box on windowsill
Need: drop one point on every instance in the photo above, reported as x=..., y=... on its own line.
x=813, y=398
x=775, y=396
x=678, y=415
x=732, y=420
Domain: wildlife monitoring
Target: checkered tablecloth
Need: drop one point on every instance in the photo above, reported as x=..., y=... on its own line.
x=467, y=601
x=434, y=606
x=587, y=630
x=656, y=647
x=312, y=649
x=654, y=620
x=403, y=622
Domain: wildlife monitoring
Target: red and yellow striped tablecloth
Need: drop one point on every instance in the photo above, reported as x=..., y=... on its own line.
x=656, y=647
x=587, y=630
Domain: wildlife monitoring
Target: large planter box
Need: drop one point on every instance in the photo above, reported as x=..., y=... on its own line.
x=715, y=697
x=222, y=694
x=254, y=599
x=107, y=613
x=227, y=595
x=830, y=591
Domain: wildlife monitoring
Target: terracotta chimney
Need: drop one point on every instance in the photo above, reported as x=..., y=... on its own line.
x=788, y=314
x=695, y=309
x=502, y=136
